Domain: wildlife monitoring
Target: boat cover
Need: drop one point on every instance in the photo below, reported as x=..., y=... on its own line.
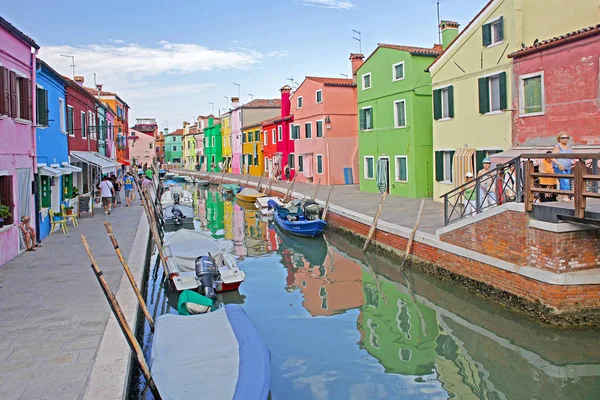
x=218, y=355
x=188, y=296
x=249, y=192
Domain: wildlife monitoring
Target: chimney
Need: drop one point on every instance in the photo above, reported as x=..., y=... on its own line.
x=166, y=131
x=98, y=87
x=357, y=60
x=211, y=120
x=286, y=105
x=79, y=80
x=449, y=32
x=235, y=102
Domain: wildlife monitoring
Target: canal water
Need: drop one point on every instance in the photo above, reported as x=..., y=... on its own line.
x=340, y=325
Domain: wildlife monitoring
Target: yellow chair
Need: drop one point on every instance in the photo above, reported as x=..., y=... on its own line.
x=59, y=221
x=69, y=217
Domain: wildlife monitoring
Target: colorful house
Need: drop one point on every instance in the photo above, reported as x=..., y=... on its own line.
x=542, y=108
x=285, y=146
x=55, y=183
x=269, y=144
x=188, y=147
x=226, y=141
x=141, y=147
x=247, y=115
x=472, y=79
x=17, y=134
x=159, y=145
x=324, y=130
x=111, y=150
x=395, y=133
x=213, y=143
x=173, y=146
x=252, y=154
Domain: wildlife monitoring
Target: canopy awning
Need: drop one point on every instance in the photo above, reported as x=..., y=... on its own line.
x=50, y=171
x=106, y=164
x=462, y=163
x=124, y=162
x=69, y=167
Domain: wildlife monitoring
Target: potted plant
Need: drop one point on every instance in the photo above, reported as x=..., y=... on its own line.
x=75, y=192
x=68, y=210
x=4, y=214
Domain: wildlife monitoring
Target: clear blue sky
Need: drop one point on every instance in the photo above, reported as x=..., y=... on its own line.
x=169, y=59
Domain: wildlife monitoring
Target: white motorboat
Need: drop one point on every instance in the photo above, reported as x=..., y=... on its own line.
x=262, y=204
x=168, y=197
x=193, y=256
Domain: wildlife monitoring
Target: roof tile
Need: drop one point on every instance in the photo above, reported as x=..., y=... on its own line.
x=557, y=40
x=332, y=81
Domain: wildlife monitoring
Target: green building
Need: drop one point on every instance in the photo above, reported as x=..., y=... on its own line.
x=395, y=135
x=213, y=144
x=173, y=146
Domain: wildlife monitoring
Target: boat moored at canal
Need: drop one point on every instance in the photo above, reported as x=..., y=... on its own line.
x=249, y=194
x=299, y=218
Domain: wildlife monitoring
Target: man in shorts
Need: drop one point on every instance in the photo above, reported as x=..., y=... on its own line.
x=107, y=191
x=128, y=185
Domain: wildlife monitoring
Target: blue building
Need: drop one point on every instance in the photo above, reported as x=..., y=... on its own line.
x=55, y=175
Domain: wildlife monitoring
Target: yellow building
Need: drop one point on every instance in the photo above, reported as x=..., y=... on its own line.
x=226, y=142
x=189, y=147
x=473, y=88
x=252, y=150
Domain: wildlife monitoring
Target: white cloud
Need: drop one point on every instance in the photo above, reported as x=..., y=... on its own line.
x=278, y=54
x=337, y=4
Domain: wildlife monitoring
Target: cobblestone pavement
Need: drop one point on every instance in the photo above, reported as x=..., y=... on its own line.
x=397, y=210
x=53, y=312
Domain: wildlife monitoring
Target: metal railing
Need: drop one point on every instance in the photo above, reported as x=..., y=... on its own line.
x=500, y=185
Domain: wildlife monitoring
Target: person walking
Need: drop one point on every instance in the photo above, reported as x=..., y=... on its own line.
x=547, y=167
x=149, y=173
x=487, y=185
x=107, y=192
x=563, y=165
x=128, y=185
x=117, y=187
x=469, y=193
x=287, y=173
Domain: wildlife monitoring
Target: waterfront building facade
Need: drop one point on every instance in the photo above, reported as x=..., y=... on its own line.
x=226, y=141
x=173, y=146
x=252, y=150
x=213, y=144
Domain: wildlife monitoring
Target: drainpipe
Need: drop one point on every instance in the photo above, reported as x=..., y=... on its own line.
x=36, y=204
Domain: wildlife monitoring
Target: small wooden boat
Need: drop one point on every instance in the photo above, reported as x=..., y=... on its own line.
x=179, y=178
x=176, y=194
x=178, y=214
x=262, y=203
x=234, y=358
x=169, y=175
x=249, y=194
x=229, y=188
x=201, y=182
x=299, y=218
x=185, y=267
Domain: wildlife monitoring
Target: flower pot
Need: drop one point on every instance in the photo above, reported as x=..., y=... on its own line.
x=69, y=212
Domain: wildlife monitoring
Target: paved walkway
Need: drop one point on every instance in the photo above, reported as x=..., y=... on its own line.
x=397, y=210
x=53, y=312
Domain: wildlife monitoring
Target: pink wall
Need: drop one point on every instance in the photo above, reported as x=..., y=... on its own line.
x=339, y=144
x=110, y=140
x=140, y=150
x=571, y=94
x=236, y=137
x=17, y=139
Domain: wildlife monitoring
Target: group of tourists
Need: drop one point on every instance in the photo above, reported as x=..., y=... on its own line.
x=110, y=188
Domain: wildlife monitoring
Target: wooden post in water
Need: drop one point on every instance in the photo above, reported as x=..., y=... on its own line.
x=327, y=202
x=248, y=180
x=118, y=313
x=314, y=196
x=158, y=243
x=134, y=285
x=222, y=176
x=375, y=219
x=412, y=234
x=260, y=181
x=290, y=188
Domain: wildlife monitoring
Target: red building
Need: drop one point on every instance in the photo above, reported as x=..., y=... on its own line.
x=281, y=153
x=269, y=137
x=81, y=115
x=556, y=89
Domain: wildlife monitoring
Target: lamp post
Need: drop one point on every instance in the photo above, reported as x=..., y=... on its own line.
x=213, y=107
x=72, y=62
x=251, y=96
x=239, y=89
x=226, y=102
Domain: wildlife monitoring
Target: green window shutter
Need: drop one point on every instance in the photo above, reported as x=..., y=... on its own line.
x=503, y=91
x=479, y=156
x=319, y=128
x=361, y=118
x=487, y=34
x=371, y=126
x=452, y=165
x=70, y=120
x=439, y=166
x=291, y=160
x=45, y=115
x=370, y=168
x=484, y=96
x=45, y=191
x=300, y=163
x=451, y=101
x=437, y=104
x=319, y=164
x=68, y=185
x=501, y=28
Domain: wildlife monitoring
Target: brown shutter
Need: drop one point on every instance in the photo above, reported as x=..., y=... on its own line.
x=2, y=100
x=5, y=93
x=13, y=94
x=29, y=97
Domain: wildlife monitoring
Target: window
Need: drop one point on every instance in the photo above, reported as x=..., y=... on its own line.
x=319, y=96
x=61, y=115
x=308, y=130
x=401, y=169
x=83, y=128
x=266, y=138
x=291, y=158
x=295, y=131
x=492, y=93
x=443, y=103
x=299, y=102
x=531, y=94
x=400, y=114
x=366, y=119
x=212, y=142
x=16, y=94
x=366, y=81
x=320, y=128
x=279, y=133
x=243, y=137
x=174, y=148
x=6, y=196
x=300, y=163
x=480, y=155
x=398, y=71
x=319, y=163
x=273, y=138
x=41, y=106
x=91, y=125
x=257, y=136
x=493, y=32
x=369, y=167
x=443, y=165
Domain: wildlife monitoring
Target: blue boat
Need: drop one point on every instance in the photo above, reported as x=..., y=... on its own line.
x=302, y=219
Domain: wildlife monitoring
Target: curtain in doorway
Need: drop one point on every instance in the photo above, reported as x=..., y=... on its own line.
x=23, y=198
x=308, y=166
x=382, y=174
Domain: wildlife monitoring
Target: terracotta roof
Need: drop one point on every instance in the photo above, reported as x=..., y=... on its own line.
x=11, y=28
x=557, y=41
x=176, y=132
x=95, y=92
x=270, y=121
x=424, y=51
x=332, y=81
x=262, y=103
x=489, y=3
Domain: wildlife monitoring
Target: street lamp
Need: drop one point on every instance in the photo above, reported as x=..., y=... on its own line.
x=226, y=102
x=251, y=96
x=239, y=89
x=72, y=62
x=213, y=107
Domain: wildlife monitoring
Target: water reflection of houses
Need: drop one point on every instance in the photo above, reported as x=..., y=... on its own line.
x=228, y=220
x=255, y=233
x=238, y=231
x=215, y=214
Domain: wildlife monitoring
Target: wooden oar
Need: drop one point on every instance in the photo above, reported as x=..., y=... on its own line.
x=123, y=324
x=375, y=219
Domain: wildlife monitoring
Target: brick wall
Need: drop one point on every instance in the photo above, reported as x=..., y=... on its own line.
x=563, y=252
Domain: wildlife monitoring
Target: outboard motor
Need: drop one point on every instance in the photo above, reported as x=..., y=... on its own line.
x=177, y=215
x=175, y=198
x=208, y=273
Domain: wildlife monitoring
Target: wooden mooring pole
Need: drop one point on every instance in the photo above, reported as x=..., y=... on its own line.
x=260, y=181
x=327, y=202
x=375, y=219
x=290, y=188
x=248, y=180
x=134, y=285
x=157, y=240
x=314, y=196
x=122, y=321
x=412, y=234
x=223, y=176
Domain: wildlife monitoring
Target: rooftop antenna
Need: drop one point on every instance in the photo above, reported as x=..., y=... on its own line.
x=344, y=75
x=239, y=89
x=251, y=96
x=439, y=30
x=358, y=39
x=226, y=102
x=213, y=107
x=72, y=62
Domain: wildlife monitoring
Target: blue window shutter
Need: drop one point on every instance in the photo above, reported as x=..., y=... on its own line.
x=487, y=34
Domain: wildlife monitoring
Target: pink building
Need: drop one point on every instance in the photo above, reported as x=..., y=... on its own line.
x=141, y=147
x=111, y=152
x=325, y=130
x=17, y=135
x=557, y=90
